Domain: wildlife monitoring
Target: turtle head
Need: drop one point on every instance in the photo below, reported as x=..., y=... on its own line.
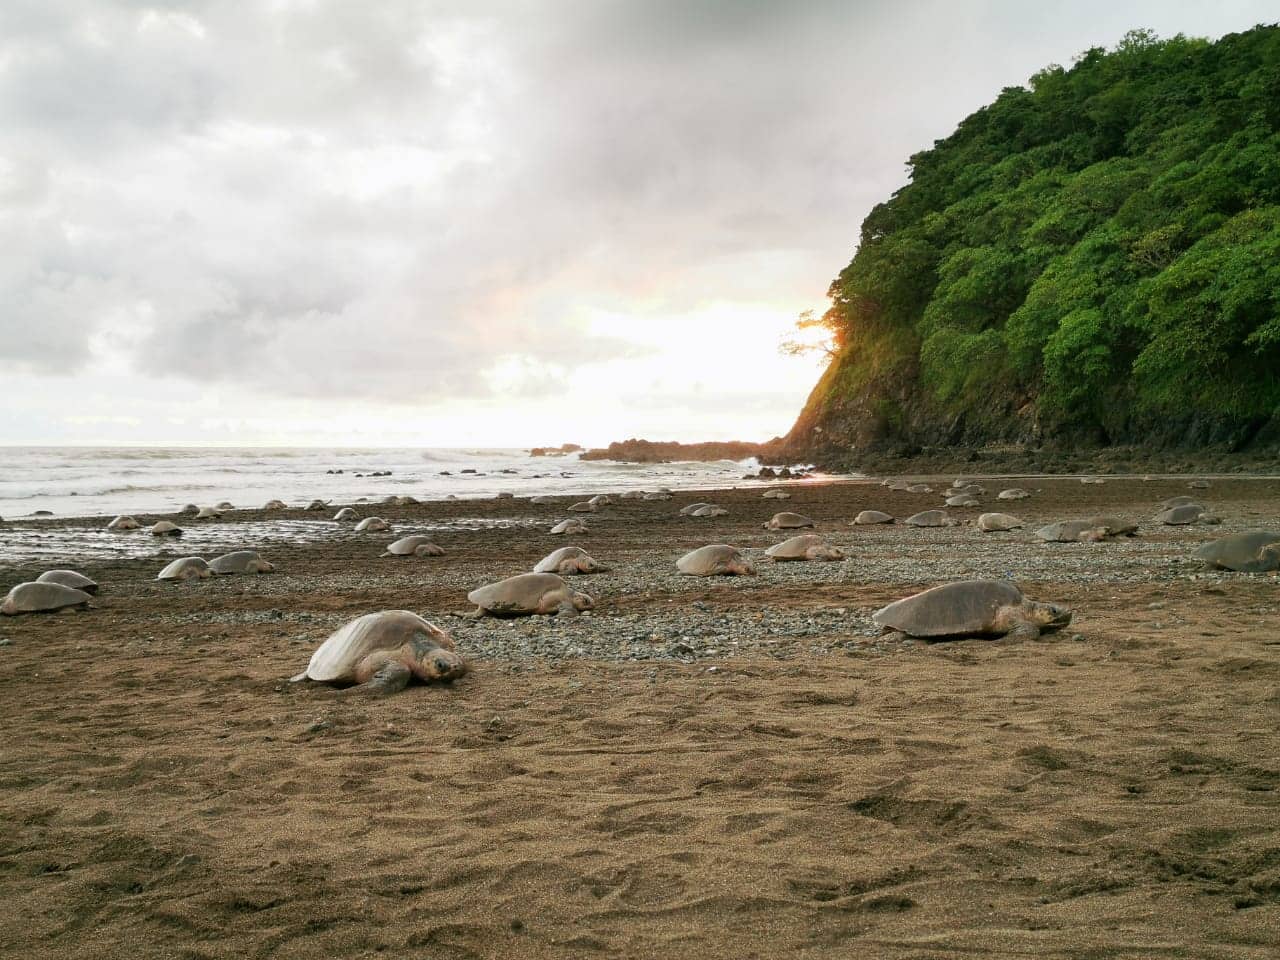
x=440, y=664
x=1050, y=616
x=266, y=567
x=742, y=567
x=582, y=601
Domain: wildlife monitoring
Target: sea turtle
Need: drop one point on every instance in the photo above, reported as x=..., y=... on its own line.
x=414, y=546
x=688, y=510
x=186, y=568
x=542, y=500
x=919, y=488
x=372, y=525
x=346, y=514
x=899, y=486
x=123, y=523
x=1114, y=526
x=788, y=521
x=601, y=500
x=998, y=522
x=318, y=504
x=241, y=561
x=226, y=505
x=1199, y=484
x=929, y=518
x=381, y=652
x=710, y=510
x=41, y=597
x=1013, y=493
x=631, y=495
x=872, y=516
x=166, y=529
x=715, y=560
x=968, y=489
x=69, y=578
x=972, y=608
x=504, y=495
x=1256, y=551
x=190, y=510
x=529, y=593
x=1072, y=531
x=1180, y=516
x=208, y=513
x=775, y=495
x=568, y=561
x=963, y=500
x=806, y=546
x=274, y=505
x=658, y=495
x=572, y=525
x=1181, y=502
x=584, y=506
x=405, y=500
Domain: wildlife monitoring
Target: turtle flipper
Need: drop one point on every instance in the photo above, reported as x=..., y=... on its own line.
x=392, y=677
x=1023, y=630
x=299, y=678
x=566, y=609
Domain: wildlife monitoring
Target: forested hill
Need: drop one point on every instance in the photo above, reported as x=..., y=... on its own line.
x=1093, y=258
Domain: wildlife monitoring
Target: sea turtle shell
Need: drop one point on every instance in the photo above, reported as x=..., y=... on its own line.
x=372, y=525
x=998, y=522
x=346, y=513
x=688, y=511
x=1181, y=502
x=967, y=608
x=872, y=516
x=542, y=500
x=1114, y=526
x=552, y=561
x=525, y=593
x=208, y=513
x=658, y=495
x=919, y=488
x=806, y=546
x=69, y=578
x=583, y=506
x=1244, y=552
x=711, y=560
x=123, y=523
x=788, y=521
x=1013, y=493
x=39, y=597
x=415, y=546
x=335, y=660
x=186, y=568
x=240, y=561
x=274, y=505
x=928, y=518
x=1180, y=516
x=1066, y=531
x=165, y=528
x=572, y=525
x=963, y=500
x=710, y=510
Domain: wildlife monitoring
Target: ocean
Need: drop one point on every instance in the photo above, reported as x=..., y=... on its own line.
x=105, y=481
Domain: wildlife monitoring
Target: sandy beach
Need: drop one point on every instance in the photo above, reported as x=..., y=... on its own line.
x=713, y=768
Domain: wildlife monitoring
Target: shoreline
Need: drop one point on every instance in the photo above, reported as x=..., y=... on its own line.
x=737, y=766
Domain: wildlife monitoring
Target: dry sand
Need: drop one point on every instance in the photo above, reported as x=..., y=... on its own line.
x=667, y=777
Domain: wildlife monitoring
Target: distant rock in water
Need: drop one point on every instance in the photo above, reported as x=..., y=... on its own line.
x=559, y=451
x=649, y=451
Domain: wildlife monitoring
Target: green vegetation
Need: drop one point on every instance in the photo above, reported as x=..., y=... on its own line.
x=1102, y=247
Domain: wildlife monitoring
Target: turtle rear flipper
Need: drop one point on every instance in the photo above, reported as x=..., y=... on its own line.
x=299, y=678
x=392, y=677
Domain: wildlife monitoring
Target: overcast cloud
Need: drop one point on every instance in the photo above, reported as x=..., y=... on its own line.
x=444, y=205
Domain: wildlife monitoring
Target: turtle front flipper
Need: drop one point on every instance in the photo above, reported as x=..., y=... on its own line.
x=566, y=609
x=392, y=677
x=1023, y=630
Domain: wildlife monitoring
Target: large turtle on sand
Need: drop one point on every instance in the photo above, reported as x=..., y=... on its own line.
x=929, y=518
x=1256, y=551
x=1114, y=526
x=123, y=523
x=872, y=516
x=69, y=578
x=584, y=506
x=529, y=593
x=998, y=522
x=346, y=514
x=710, y=510
x=1181, y=516
x=571, y=526
x=788, y=521
x=715, y=560
x=186, y=568
x=972, y=608
x=568, y=561
x=381, y=652
x=372, y=525
x=1013, y=493
x=1072, y=531
x=41, y=598
x=166, y=528
x=963, y=500
x=414, y=546
x=275, y=505
x=688, y=510
x=806, y=546
x=240, y=561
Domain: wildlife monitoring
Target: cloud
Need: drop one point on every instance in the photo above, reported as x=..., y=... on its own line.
x=431, y=201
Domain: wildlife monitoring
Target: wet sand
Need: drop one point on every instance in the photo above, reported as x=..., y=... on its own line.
x=737, y=768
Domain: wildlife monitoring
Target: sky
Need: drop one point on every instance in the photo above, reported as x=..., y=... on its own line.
x=470, y=223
